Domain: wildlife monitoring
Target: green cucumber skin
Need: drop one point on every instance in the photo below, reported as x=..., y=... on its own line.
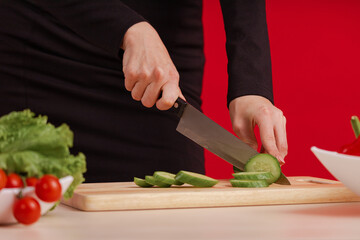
x=150, y=180
x=249, y=183
x=142, y=183
x=264, y=163
x=178, y=183
x=253, y=175
x=153, y=181
x=164, y=177
x=167, y=177
x=195, y=179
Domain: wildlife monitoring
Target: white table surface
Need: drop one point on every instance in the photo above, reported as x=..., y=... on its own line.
x=306, y=221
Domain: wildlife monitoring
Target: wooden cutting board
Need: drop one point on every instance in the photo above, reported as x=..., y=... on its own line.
x=128, y=196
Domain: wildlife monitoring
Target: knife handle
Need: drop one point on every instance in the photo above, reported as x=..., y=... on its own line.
x=178, y=107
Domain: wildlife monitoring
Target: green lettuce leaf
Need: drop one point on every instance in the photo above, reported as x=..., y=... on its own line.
x=30, y=146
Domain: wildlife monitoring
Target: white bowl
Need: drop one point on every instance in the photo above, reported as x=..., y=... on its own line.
x=8, y=197
x=346, y=168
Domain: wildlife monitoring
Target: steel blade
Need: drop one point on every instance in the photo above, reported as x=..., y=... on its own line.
x=283, y=180
x=211, y=136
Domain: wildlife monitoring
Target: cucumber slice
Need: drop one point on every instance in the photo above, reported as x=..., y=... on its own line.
x=141, y=182
x=195, y=179
x=249, y=183
x=166, y=177
x=253, y=175
x=264, y=163
x=151, y=180
x=178, y=183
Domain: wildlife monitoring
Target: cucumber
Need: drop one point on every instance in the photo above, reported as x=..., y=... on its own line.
x=166, y=177
x=249, y=183
x=253, y=175
x=264, y=163
x=151, y=180
x=141, y=182
x=195, y=179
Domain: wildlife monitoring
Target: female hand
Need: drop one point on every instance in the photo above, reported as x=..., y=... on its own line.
x=148, y=68
x=251, y=110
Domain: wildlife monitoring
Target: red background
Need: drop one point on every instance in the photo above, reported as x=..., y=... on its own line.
x=315, y=51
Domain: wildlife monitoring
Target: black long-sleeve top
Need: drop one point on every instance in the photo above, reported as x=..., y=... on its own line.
x=62, y=58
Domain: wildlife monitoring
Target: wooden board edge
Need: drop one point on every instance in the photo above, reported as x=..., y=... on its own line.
x=210, y=199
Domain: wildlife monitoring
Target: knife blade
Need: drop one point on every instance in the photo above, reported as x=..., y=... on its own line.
x=205, y=132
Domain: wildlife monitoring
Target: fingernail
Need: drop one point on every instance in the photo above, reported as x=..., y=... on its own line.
x=281, y=160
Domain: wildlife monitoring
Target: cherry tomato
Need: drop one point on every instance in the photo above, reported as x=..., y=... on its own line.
x=14, y=181
x=3, y=179
x=26, y=210
x=31, y=181
x=48, y=188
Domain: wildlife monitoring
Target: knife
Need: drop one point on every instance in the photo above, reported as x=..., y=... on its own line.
x=211, y=136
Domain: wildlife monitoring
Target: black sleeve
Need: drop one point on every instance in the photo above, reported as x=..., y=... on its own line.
x=101, y=22
x=248, y=50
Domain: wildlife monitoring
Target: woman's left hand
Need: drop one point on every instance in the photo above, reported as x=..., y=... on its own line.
x=248, y=111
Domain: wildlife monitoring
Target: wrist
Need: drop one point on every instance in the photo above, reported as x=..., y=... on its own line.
x=133, y=34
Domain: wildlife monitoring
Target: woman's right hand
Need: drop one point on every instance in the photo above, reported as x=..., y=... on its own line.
x=148, y=68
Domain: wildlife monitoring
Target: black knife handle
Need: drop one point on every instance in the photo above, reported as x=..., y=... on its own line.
x=178, y=107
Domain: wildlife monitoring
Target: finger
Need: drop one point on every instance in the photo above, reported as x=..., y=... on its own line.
x=182, y=96
x=245, y=131
x=262, y=150
x=130, y=78
x=280, y=136
x=138, y=90
x=129, y=84
x=170, y=92
x=134, y=75
x=153, y=90
x=268, y=139
x=151, y=94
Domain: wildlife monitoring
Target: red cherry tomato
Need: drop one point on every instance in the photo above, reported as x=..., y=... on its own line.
x=31, y=181
x=14, y=181
x=48, y=188
x=26, y=210
x=352, y=148
x=3, y=179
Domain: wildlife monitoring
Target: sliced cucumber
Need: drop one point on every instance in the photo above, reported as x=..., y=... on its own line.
x=195, y=179
x=253, y=175
x=141, y=182
x=249, y=183
x=178, y=183
x=264, y=163
x=151, y=180
x=166, y=177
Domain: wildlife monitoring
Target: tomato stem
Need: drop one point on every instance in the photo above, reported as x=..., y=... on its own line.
x=20, y=194
x=355, y=123
x=23, y=179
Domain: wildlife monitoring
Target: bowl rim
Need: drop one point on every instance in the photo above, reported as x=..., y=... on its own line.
x=313, y=148
x=28, y=188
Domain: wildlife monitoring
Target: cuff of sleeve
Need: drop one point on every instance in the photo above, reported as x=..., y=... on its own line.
x=263, y=92
x=120, y=28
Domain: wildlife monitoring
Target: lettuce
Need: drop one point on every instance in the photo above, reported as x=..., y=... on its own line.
x=30, y=146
